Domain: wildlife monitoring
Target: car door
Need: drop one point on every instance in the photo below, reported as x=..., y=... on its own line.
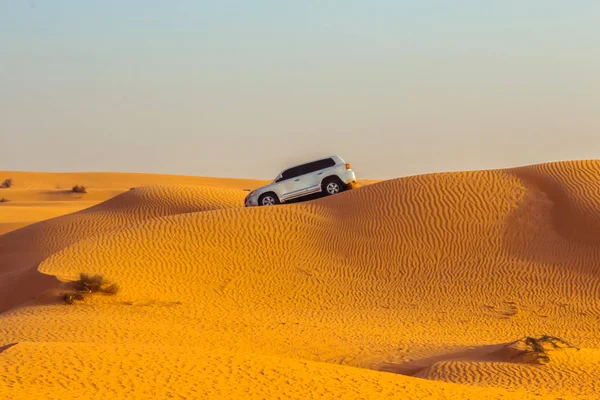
x=316, y=171
x=292, y=183
x=310, y=180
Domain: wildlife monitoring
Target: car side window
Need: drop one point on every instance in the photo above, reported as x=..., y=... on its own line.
x=306, y=169
x=326, y=163
x=311, y=167
x=284, y=176
x=319, y=165
x=291, y=173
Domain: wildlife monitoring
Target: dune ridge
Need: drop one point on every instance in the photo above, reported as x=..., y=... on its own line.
x=36, y=196
x=369, y=282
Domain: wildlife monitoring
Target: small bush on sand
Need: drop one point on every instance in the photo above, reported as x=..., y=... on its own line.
x=95, y=283
x=87, y=285
x=3, y=200
x=7, y=183
x=79, y=189
x=536, y=348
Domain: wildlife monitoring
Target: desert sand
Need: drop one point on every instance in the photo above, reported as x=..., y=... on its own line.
x=408, y=288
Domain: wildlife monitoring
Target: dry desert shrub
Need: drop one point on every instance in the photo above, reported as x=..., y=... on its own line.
x=88, y=284
x=95, y=283
x=536, y=348
x=79, y=189
x=7, y=183
x=3, y=200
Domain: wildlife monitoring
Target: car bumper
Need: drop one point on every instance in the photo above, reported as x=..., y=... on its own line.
x=251, y=201
x=348, y=177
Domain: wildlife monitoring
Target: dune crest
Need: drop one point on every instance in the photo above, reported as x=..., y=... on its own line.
x=37, y=196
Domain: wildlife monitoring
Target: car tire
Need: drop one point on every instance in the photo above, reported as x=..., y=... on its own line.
x=268, y=199
x=331, y=186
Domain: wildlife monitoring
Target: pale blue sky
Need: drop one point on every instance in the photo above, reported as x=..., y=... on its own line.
x=245, y=88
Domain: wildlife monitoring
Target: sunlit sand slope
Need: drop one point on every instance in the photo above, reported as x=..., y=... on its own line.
x=90, y=371
x=570, y=372
x=395, y=278
x=21, y=251
x=15, y=214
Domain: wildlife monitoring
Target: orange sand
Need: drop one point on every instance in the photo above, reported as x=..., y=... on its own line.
x=36, y=196
x=407, y=288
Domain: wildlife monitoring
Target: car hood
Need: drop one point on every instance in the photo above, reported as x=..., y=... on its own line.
x=264, y=189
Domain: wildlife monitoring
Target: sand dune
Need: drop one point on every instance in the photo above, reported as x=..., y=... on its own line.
x=50, y=370
x=390, y=289
x=570, y=372
x=21, y=251
x=37, y=196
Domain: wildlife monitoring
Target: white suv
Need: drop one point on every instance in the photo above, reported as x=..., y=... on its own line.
x=329, y=175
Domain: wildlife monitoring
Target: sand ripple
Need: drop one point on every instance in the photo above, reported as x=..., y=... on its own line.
x=378, y=278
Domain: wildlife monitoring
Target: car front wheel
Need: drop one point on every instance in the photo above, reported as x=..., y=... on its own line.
x=268, y=199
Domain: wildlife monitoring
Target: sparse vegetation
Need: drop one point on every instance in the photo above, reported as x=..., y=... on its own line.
x=3, y=200
x=95, y=283
x=536, y=348
x=79, y=189
x=87, y=285
x=7, y=183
